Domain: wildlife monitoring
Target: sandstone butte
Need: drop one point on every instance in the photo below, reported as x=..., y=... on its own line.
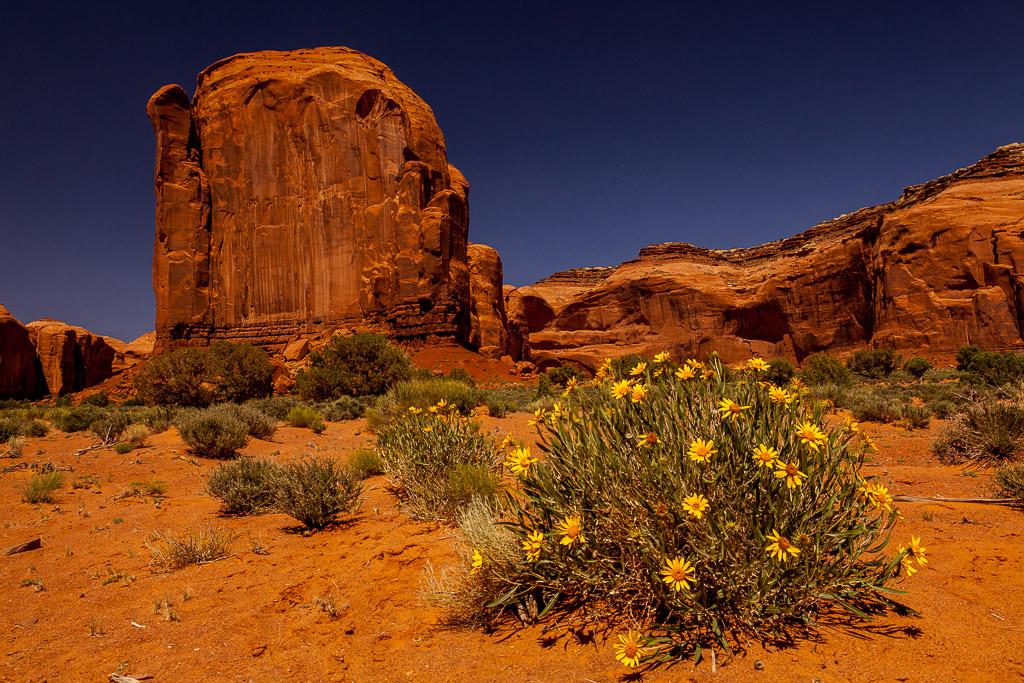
x=940, y=267
x=50, y=357
x=299, y=191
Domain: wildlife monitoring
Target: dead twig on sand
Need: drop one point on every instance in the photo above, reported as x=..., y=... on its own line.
x=941, y=499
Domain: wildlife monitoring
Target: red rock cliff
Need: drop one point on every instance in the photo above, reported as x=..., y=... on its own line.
x=940, y=267
x=300, y=190
x=19, y=373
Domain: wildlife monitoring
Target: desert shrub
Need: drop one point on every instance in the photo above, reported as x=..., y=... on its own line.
x=364, y=463
x=198, y=377
x=561, y=375
x=212, y=433
x=1009, y=481
x=498, y=407
x=246, y=485
x=344, y=408
x=461, y=375
x=360, y=365
x=155, y=487
x=543, y=388
x=77, y=419
x=841, y=397
x=34, y=428
x=276, y=407
x=16, y=446
x=780, y=371
x=123, y=447
x=422, y=452
x=965, y=355
x=306, y=418
x=157, y=418
x=917, y=366
x=867, y=407
x=9, y=427
x=42, y=488
x=942, y=408
x=915, y=416
x=993, y=369
x=132, y=402
x=242, y=371
x=822, y=368
x=111, y=426
x=136, y=435
x=100, y=400
x=629, y=491
x=315, y=491
x=990, y=432
x=173, y=551
x=258, y=424
x=874, y=363
x=622, y=366
x=421, y=394
x=469, y=481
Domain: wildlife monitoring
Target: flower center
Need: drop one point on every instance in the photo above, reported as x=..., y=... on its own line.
x=791, y=470
x=630, y=650
x=783, y=544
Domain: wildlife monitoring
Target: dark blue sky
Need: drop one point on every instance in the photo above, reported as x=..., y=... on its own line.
x=586, y=130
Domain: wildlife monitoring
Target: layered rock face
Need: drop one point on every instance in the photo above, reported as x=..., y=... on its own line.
x=18, y=367
x=487, y=321
x=940, y=267
x=301, y=190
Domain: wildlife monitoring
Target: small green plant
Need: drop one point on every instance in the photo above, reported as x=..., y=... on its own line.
x=136, y=435
x=123, y=447
x=1009, y=481
x=916, y=416
x=191, y=547
x=916, y=367
x=990, y=432
x=165, y=608
x=328, y=606
x=927, y=515
x=365, y=463
x=110, y=426
x=422, y=455
x=246, y=485
x=822, y=368
x=359, y=365
x=36, y=583
x=344, y=408
x=86, y=481
x=780, y=372
x=213, y=433
x=155, y=488
x=157, y=418
x=305, y=417
x=16, y=446
x=316, y=491
x=95, y=630
x=461, y=375
x=42, y=488
x=544, y=389
x=874, y=363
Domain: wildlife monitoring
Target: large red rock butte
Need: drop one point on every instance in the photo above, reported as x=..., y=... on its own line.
x=19, y=376
x=302, y=190
x=940, y=267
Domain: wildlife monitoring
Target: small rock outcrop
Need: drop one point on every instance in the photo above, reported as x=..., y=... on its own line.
x=302, y=190
x=940, y=267
x=19, y=376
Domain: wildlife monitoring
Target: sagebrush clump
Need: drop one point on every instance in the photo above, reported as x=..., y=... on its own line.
x=246, y=485
x=213, y=432
x=316, y=491
x=688, y=509
x=359, y=365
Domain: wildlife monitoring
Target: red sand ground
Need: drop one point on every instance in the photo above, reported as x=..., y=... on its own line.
x=254, y=617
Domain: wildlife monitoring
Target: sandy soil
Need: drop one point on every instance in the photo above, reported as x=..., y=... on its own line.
x=256, y=617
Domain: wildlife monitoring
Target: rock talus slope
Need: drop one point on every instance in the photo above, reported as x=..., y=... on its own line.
x=940, y=267
x=301, y=190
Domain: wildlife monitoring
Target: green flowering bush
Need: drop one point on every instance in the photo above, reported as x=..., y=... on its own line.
x=689, y=509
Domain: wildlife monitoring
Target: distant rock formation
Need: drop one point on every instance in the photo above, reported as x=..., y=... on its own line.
x=19, y=377
x=940, y=267
x=50, y=357
x=299, y=191
x=488, y=324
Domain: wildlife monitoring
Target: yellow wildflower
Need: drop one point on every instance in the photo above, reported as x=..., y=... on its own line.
x=629, y=650
x=649, y=439
x=906, y=562
x=509, y=440
x=569, y=386
x=478, y=561
x=678, y=574
x=798, y=385
x=572, y=531
x=765, y=456
x=519, y=460
x=701, y=451
x=621, y=389
x=780, y=546
x=603, y=370
x=811, y=435
x=662, y=357
x=757, y=364
x=851, y=425
x=695, y=505
x=414, y=410
x=709, y=373
x=917, y=551
x=730, y=410
x=791, y=473
x=684, y=373
x=532, y=546
x=695, y=364
x=441, y=405
x=638, y=369
x=779, y=395
x=428, y=429
x=869, y=444
x=639, y=393
x=538, y=417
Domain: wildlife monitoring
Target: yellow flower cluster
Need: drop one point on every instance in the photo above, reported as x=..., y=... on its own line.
x=519, y=460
